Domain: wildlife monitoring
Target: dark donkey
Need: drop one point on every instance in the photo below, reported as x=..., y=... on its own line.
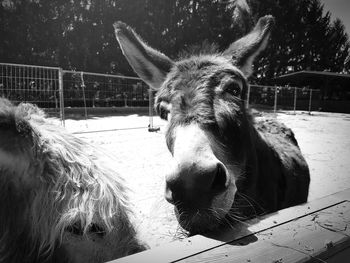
x=226, y=166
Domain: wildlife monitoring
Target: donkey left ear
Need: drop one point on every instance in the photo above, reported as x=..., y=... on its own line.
x=245, y=50
x=151, y=65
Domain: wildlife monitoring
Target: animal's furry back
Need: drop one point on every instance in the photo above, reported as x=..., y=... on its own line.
x=50, y=180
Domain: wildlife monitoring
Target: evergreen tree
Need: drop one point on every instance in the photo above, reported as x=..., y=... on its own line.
x=79, y=34
x=304, y=39
x=339, y=48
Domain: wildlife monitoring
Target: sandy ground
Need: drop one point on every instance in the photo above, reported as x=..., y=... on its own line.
x=141, y=157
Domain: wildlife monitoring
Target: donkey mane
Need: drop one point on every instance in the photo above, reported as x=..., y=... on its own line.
x=201, y=49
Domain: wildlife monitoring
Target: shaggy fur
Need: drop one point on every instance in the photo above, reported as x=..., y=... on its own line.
x=226, y=166
x=59, y=201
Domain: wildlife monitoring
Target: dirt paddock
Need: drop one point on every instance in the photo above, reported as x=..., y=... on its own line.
x=141, y=157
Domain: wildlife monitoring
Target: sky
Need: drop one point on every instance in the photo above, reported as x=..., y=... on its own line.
x=339, y=9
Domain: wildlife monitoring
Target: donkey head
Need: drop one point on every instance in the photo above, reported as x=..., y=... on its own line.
x=60, y=201
x=202, y=98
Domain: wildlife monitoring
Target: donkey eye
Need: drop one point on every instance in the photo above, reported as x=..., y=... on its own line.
x=163, y=113
x=163, y=110
x=75, y=229
x=97, y=230
x=233, y=88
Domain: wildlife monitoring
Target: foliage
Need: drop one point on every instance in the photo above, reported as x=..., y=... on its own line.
x=79, y=34
x=304, y=39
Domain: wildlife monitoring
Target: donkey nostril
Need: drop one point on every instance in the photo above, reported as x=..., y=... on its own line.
x=219, y=183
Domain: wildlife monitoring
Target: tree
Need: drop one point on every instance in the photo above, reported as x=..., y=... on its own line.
x=339, y=47
x=304, y=39
x=79, y=34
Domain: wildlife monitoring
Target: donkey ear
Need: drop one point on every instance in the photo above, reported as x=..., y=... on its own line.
x=151, y=65
x=245, y=50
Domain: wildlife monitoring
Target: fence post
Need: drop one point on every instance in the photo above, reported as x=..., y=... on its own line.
x=84, y=97
x=61, y=95
x=248, y=97
x=295, y=99
x=151, y=127
x=275, y=103
x=310, y=100
x=150, y=108
x=125, y=99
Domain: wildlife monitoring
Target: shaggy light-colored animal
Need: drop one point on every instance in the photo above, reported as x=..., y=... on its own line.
x=59, y=201
x=225, y=166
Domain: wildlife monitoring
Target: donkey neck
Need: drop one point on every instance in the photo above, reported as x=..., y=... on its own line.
x=263, y=178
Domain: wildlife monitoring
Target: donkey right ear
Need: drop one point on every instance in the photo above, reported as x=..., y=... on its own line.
x=151, y=65
x=245, y=50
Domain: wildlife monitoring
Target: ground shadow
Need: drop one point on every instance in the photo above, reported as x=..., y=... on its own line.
x=93, y=113
x=236, y=234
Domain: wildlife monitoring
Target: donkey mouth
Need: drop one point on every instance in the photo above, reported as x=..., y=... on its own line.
x=196, y=221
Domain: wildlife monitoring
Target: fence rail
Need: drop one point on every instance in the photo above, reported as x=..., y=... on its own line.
x=84, y=89
x=283, y=98
x=56, y=90
x=29, y=83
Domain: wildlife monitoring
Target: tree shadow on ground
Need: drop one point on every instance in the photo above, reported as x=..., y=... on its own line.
x=236, y=234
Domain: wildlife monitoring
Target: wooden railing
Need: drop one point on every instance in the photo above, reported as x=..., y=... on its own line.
x=318, y=231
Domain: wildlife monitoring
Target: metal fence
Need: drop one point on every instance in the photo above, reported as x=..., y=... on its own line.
x=86, y=89
x=59, y=91
x=35, y=84
x=276, y=98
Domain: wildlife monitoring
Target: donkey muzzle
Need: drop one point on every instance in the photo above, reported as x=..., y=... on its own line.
x=194, y=184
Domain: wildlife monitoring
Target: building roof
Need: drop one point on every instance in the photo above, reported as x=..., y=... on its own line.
x=313, y=78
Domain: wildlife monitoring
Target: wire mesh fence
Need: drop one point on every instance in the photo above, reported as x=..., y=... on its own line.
x=275, y=98
x=39, y=85
x=59, y=91
x=86, y=89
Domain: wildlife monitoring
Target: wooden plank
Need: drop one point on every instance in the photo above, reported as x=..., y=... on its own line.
x=216, y=242
x=312, y=238
x=343, y=195
x=173, y=251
